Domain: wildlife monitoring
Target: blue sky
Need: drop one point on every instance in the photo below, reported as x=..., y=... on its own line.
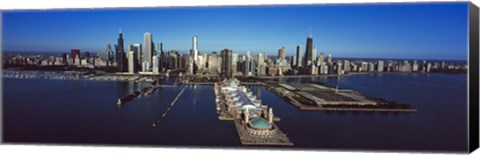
x=408, y=30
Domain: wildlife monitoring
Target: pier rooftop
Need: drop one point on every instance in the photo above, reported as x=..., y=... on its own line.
x=312, y=96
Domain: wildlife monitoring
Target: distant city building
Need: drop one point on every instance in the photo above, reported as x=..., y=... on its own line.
x=299, y=56
x=321, y=58
x=234, y=63
x=226, y=63
x=314, y=56
x=155, y=64
x=346, y=66
x=137, y=49
x=195, y=48
x=121, y=59
x=74, y=53
x=148, y=49
x=282, y=54
x=132, y=62
x=307, y=60
x=380, y=66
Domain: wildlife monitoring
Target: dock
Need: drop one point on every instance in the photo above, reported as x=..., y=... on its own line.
x=255, y=124
x=168, y=109
x=321, y=98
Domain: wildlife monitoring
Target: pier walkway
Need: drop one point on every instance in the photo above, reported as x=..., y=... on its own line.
x=168, y=109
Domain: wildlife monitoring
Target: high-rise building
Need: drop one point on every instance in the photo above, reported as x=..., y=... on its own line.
x=137, y=48
x=346, y=66
x=314, y=55
x=121, y=59
x=282, y=53
x=213, y=62
x=160, y=56
x=321, y=58
x=74, y=53
x=415, y=66
x=195, y=48
x=148, y=48
x=261, y=65
x=329, y=58
x=155, y=64
x=132, y=62
x=294, y=60
x=307, y=60
x=380, y=66
x=226, y=63
x=234, y=63
x=246, y=70
x=299, y=56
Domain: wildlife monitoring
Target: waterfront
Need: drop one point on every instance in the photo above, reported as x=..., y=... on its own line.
x=61, y=111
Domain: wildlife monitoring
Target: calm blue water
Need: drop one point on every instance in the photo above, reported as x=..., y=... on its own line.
x=54, y=111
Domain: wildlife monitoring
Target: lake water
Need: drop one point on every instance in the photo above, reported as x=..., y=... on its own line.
x=85, y=112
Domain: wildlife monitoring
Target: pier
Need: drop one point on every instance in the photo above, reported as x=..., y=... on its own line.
x=169, y=107
x=317, y=97
x=254, y=122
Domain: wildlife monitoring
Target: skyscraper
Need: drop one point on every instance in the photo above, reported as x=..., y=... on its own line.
x=322, y=58
x=282, y=53
x=121, y=59
x=226, y=63
x=195, y=48
x=160, y=56
x=137, y=48
x=307, y=60
x=314, y=55
x=329, y=58
x=234, y=63
x=132, y=62
x=246, y=69
x=380, y=66
x=148, y=49
x=299, y=56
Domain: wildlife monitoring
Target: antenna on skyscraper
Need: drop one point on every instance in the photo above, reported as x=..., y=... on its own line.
x=120, y=30
x=310, y=31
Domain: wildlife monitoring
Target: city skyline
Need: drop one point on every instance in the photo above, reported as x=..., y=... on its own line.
x=439, y=36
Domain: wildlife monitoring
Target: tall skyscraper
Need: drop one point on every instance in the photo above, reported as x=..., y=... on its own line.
x=137, y=48
x=148, y=49
x=261, y=64
x=314, y=55
x=226, y=63
x=299, y=56
x=282, y=53
x=246, y=69
x=307, y=60
x=121, y=59
x=329, y=58
x=160, y=56
x=234, y=63
x=195, y=48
